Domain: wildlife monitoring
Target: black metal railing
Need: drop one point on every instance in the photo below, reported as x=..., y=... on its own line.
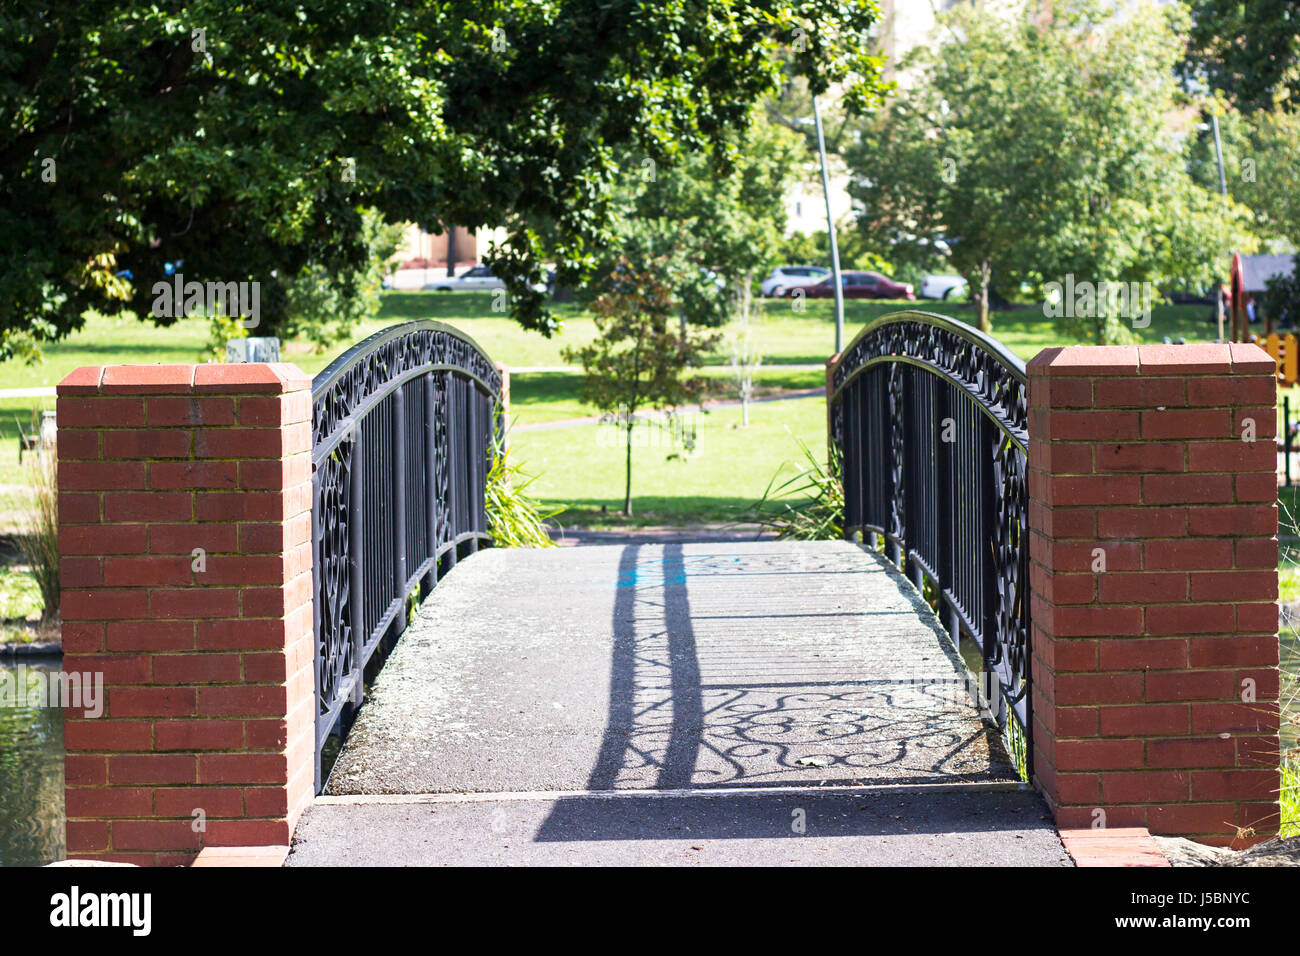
x=930, y=420
x=404, y=427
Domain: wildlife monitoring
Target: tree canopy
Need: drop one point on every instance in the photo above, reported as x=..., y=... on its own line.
x=243, y=140
x=1041, y=148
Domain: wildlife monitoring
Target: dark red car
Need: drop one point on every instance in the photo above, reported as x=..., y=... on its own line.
x=860, y=285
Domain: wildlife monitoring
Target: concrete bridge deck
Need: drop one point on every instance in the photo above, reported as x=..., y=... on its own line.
x=663, y=703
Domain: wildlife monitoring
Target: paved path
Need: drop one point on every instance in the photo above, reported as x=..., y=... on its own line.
x=674, y=702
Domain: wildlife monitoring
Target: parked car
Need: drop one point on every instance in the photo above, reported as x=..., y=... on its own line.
x=861, y=285
x=475, y=277
x=784, y=278
x=942, y=286
x=478, y=278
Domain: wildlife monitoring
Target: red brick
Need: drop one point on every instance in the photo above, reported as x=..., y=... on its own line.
x=1098, y=688
x=1201, y=554
x=82, y=637
x=146, y=443
x=1257, y=618
x=80, y=572
x=241, y=635
x=1183, y=619
x=1144, y=787
x=100, y=734
x=86, y=835
x=150, y=636
x=1192, y=818
x=250, y=570
x=1233, y=520
x=248, y=833
x=78, y=508
x=196, y=669
x=102, y=604
x=266, y=802
x=199, y=735
x=1191, y=752
x=252, y=701
x=151, y=768
x=1140, y=392
x=86, y=770
x=151, y=701
x=1231, y=390
x=1255, y=785
x=1145, y=522
x=1232, y=456
x=1140, y=457
x=1093, y=490
x=1185, y=489
x=1234, y=585
x=1094, y=621
x=1187, y=423
x=1118, y=587
x=155, y=835
x=1190, y=685
x=100, y=412
x=267, y=734
x=146, y=571
x=185, y=538
x=213, y=801
x=1098, y=754
x=147, y=379
x=101, y=476
x=1126, y=655
x=76, y=443
x=1256, y=553
x=195, y=602
x=220, y=475
x=1256, y=487
x=186, y=410
x=240, y=443
x=257, y=377
x=1141, y=720
x=1234, y=717
x=108, y=802
x=243, y=768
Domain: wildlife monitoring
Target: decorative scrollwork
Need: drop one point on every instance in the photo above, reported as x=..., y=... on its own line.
x=359, y=516
x=955, y=507
x=978, y=363
x=339, y=390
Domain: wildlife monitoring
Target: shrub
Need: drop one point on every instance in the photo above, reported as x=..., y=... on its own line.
x=38, y=539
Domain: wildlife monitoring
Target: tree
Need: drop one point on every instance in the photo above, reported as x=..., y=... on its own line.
x=744, y=348
x=244, y=139
x=639, y=358
x=1044, y=149
x=713, y=219
x=1250, y=50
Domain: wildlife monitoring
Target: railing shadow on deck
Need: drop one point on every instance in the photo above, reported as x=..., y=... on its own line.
x=670, y=731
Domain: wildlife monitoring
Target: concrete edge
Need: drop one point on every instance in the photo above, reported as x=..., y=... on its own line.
x=241, y=856
x=15, y=651
x=489, y=796
x=1119, y=846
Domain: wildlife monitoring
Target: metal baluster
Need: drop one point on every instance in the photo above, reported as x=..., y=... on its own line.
x=357, y=553
x=399, y=503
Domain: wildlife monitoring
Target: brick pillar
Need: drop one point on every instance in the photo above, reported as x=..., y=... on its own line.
x=185, y=542
x=1153, y=523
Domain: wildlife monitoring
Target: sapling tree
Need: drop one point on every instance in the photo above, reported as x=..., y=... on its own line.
x=641, y=358
x=743, y=345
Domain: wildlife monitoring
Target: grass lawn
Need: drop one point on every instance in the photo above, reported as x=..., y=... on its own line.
x=581, y=468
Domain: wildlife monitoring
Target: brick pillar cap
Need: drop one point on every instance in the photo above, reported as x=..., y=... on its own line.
x=1097, y=360
x=241, y=378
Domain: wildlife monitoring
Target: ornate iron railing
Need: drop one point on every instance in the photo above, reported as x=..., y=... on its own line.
x=403, y=428
x=930, y=420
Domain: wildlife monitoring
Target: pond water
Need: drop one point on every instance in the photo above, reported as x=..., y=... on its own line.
x=31, y=774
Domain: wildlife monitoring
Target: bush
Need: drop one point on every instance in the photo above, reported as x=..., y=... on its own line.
x=515, y=520
x=806, y=507
x=38, y=539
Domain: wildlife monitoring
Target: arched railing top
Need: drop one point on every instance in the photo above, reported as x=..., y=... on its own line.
x=367, y=372
x=973, y=360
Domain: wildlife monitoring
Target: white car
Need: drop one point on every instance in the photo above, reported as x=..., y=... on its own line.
x=784, y=278
x=475, y=277
x=942, y=287
x=478, y=278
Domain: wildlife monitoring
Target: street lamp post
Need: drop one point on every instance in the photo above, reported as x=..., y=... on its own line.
x=830, y=230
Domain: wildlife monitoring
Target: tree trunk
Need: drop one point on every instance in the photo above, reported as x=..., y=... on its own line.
x=983, y=321
x=627, y=486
